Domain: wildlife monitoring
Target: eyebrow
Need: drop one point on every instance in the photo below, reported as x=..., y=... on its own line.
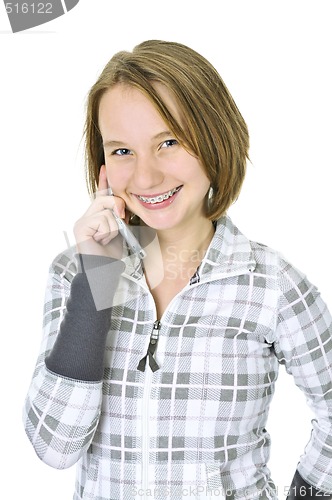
x=161, y=135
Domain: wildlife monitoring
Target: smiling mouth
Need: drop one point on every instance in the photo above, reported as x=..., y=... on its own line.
x=160, y=197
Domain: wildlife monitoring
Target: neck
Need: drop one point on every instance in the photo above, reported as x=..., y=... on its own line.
x=173, y=257
x=186, y=247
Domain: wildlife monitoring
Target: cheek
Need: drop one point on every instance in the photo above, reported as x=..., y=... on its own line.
x=196, y=172
x=116, y=178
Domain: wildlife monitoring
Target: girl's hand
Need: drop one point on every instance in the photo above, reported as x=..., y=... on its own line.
x=97, y=228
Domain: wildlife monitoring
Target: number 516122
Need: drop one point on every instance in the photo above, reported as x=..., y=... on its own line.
x=26, y=8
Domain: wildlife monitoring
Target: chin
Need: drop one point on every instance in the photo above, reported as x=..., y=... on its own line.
x=163, y=224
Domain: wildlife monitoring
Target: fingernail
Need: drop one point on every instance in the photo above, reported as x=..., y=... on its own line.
x=120, y=213
x=116, y=211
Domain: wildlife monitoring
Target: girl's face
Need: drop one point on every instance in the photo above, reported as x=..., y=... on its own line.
x=146, y=166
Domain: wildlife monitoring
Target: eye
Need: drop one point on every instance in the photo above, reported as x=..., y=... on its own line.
x=121, y=152
x=169, y=143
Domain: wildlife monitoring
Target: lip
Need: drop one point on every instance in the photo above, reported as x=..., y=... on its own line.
x=162, y=204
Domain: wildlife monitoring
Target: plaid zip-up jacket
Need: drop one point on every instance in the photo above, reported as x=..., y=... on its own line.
x=195, y=427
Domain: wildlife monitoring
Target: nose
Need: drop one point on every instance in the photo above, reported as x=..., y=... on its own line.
x=146, y=174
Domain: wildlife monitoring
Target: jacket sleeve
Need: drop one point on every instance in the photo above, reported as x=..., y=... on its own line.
x=63, y=405
x=303, y=343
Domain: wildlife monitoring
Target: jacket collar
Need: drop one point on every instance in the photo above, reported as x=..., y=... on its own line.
x=229, y=253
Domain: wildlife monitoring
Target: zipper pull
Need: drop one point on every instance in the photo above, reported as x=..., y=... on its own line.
x=151, y=350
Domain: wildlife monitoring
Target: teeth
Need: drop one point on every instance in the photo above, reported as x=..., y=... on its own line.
x=158, y=199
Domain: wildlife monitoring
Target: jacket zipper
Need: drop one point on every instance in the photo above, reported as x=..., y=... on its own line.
x=151, y=349
x=146, y=395
x=195, y=281
x=153, y=366
x=146, y=434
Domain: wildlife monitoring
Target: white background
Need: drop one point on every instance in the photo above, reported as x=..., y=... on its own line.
x=275, y=57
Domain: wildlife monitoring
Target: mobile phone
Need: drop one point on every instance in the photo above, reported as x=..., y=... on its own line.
x=129, y=237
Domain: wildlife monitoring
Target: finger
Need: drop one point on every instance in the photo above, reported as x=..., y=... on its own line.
x=119, y=207
x=104, y=227
x=100, y=203
x=102, y=221
x=103, y=187
x=115, y=203
x=111, y=203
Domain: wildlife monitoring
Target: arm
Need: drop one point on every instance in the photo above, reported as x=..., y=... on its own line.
x=63, y=404
x=62, y=407
x=303, y=344
x=78, y=351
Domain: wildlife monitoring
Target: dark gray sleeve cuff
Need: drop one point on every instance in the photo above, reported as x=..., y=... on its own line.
x=78, y=351
x=103, y=275
x=301, y=490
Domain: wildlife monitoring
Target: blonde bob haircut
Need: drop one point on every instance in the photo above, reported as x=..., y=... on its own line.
x=212, y=128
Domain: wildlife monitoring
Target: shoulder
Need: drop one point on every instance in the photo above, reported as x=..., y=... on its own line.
x=64, y=266
x=272, y=262
x=266, y=258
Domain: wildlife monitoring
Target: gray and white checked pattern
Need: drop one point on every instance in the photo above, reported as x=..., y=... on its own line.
x=196, y=428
